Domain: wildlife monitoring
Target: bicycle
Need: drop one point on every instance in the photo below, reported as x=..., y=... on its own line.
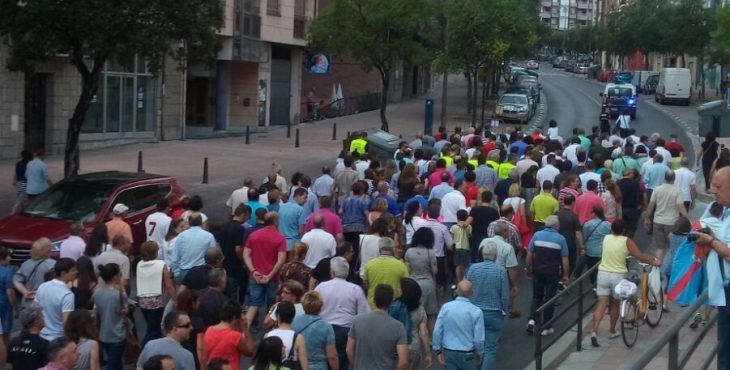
x=647, y=307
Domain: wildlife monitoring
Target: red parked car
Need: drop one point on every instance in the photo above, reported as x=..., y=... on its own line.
x=88, y=198
x=606, y=75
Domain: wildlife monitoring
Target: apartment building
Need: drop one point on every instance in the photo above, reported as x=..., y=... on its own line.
x=567, y=14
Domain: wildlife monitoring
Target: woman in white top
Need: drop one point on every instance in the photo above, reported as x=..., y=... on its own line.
x=412, y=220
x=295, y=349
x=176, y=227
x=369, y=243
x=154, y=287
x=516, y=201
x=97, y=243
x=195, y=206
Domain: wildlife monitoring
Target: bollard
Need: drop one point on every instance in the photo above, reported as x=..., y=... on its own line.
x=288, y=130
x=344, y=145
x=205, y=170
x=400, y=136
x=296, y=140
x=334, y=131
x=140, y=169
x=248, y=129
x=348, y=135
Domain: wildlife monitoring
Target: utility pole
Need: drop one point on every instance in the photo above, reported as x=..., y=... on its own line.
x=445, y=80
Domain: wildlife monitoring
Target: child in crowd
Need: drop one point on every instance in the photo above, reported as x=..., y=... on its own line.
x=461, y=234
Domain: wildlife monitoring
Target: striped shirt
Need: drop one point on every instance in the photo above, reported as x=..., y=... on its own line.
x=491, y=286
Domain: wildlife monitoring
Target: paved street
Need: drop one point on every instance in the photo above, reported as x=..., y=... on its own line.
x=571, y=100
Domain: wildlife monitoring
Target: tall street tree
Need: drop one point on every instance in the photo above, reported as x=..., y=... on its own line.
x=92, y=32
x=380, y=34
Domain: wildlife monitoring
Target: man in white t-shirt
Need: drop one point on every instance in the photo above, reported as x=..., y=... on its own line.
x=321, y=243
x=239, y=196
x=156, y=226
x=452, y=202
x=548, y=171
x=686, y=179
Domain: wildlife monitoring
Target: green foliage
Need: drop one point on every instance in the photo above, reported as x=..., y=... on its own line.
x=102, y=29
x=91, y=32
x=378, y=33
x=482, y=32
x=720, y=37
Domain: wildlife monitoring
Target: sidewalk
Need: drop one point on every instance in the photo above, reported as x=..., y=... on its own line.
x=613, y=353
x=230, y=159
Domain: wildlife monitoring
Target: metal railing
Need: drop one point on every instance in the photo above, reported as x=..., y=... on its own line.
x=578, y=285
x=342, y=107
x=671, y=337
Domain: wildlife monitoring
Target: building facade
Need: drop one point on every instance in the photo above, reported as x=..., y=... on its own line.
x=567, y=14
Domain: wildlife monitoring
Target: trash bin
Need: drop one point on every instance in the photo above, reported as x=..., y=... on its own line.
x=715, y=118
x=383, y=143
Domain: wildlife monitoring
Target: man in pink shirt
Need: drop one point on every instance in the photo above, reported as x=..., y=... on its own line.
x=332, y=222
x=264, y=253
x=585, y=202
x=435, y=178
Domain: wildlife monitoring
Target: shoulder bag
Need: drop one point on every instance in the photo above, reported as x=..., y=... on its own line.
x=132, y=349
x=290, y=362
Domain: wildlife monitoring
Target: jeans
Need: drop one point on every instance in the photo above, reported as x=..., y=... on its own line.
x=262, y=295
x=723, y=339
x=114, y=352
x=237, y=286
x=341, y=333
x=459, y=360
x=180, y=276
x=153, y=318
x=493, y=321
x=543, y=289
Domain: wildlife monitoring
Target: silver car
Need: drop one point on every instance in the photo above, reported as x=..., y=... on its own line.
x=514, y=108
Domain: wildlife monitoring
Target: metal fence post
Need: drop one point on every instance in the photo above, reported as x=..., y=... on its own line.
x=538, y=340
x=579, y=339
x=673, y=352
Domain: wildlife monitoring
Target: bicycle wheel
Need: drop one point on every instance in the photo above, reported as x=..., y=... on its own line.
x=629, y=325
x=654, y=310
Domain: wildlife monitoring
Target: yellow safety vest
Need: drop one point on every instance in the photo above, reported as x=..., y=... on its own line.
x=493, y=164
x=358, y=145
x=474, y=163
x=504, y=169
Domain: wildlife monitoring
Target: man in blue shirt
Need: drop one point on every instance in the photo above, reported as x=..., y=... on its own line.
x=458, y=336
x=491, y=295
x=654, y=175
x=547, y=257
x=253, y=203
x=383, y=188
x=36, y=174
x=293, y=217
x=420, y=190
x=190, y=247
x=443, y=188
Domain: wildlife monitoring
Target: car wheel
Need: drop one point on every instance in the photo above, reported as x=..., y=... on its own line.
x=656, y=98
x=687, y=102
x=633, y=116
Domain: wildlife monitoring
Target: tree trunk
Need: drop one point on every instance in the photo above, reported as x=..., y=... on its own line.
x=89, y=86
x=468, y=92
x=385, y=79
x=484, y=101
x=474, y=97
x=497, y=80
x=444, y=100
x=646, y=61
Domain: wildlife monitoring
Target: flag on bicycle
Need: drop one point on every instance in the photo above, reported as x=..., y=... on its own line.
x=687, y=279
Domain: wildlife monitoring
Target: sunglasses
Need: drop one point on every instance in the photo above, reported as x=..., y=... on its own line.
x=186, y=326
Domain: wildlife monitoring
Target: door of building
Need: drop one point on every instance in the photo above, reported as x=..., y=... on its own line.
x=36, y=97
x=280, y=86
x=199, y=102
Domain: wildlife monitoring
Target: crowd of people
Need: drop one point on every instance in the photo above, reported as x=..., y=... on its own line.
x=377, y=263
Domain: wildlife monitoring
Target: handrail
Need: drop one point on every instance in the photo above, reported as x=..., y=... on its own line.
x=671, y=336
x=579, y=317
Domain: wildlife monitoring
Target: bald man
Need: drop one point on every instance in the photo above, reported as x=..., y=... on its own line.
x=458, y=336
x=718, y=274
x=321, y=243
x=668, y=203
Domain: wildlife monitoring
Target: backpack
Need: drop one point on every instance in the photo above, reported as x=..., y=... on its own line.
x=688, y=278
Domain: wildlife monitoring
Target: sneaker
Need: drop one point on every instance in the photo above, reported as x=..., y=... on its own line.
x=613, y=335
x=704, y=323
x=696, y=320
x=594, y=340
x=531, y=326
x=546, y=332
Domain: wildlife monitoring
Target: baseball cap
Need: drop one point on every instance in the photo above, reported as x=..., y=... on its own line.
x=29, y=315
x=120, y=208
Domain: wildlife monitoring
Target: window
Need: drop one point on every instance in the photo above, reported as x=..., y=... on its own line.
x=272, y=8
x=125, y=100
x=251, y=19
x=300, y=18
x=142, y=197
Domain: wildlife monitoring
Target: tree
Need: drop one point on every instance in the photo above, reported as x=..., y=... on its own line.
x=720, y=37
x=380, y=34
x=92, y=32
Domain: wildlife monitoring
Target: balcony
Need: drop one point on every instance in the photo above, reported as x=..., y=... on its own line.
x=547, y=3
x=583, y=16
x=583, y=5
x=545, y=15
x=300, y=26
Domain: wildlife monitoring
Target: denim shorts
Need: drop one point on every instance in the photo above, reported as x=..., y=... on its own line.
x=260, y=295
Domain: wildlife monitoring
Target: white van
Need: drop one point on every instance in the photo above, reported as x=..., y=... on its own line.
x=675, y=84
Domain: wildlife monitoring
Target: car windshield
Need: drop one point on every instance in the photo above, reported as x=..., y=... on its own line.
x=620, y=92
x=511, y=99
x=70, y=201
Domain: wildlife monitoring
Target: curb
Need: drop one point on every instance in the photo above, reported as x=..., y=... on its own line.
x=539, y=118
